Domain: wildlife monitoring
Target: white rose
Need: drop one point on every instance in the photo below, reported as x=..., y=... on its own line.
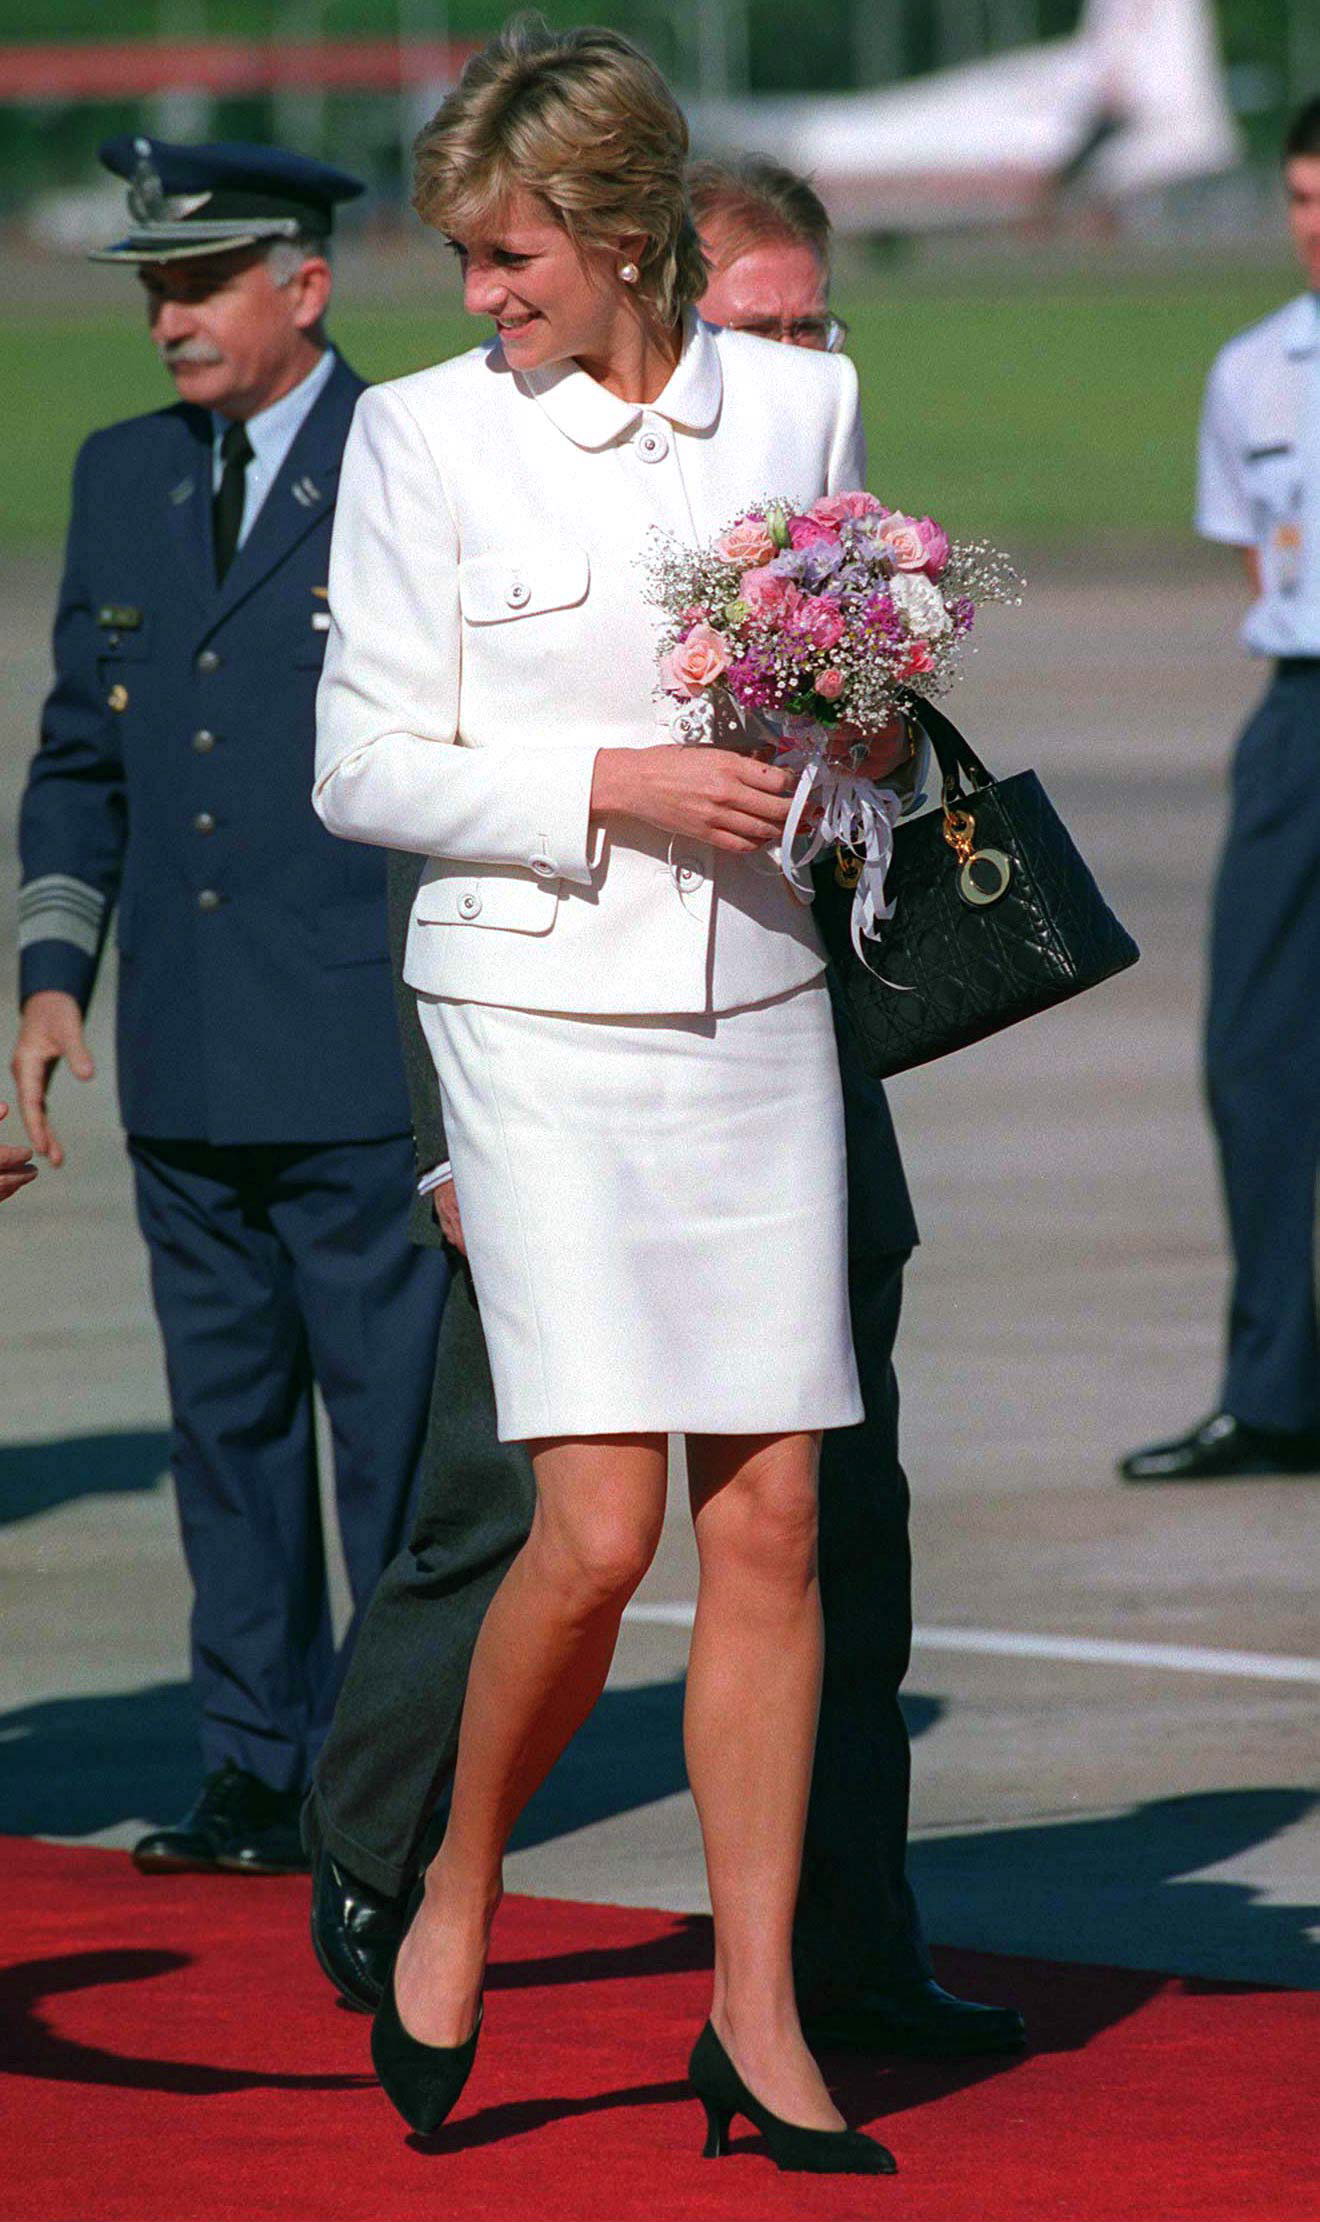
x=921, y=603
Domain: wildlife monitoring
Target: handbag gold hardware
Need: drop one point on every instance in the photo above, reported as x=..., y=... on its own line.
x=983, y=874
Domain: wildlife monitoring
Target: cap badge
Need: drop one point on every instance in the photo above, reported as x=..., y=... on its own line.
x=148, y=202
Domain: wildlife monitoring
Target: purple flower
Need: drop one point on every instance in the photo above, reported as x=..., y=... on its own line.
x=752, y=681
x=882, y=616
x=963, y=612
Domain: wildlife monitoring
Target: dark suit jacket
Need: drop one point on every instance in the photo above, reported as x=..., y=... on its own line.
x=174, y=779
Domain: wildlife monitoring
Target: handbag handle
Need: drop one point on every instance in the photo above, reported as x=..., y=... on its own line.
x=953, y=751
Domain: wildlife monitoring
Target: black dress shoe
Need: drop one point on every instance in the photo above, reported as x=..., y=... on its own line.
x=355, y=1931
x=267, y=1840
x=914, y=2018
x=1225, y=1449
x=230, y=1804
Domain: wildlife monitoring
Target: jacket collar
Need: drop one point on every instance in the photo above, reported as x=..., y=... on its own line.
x=593, y=418
x=1301, y=334
x=302, y=493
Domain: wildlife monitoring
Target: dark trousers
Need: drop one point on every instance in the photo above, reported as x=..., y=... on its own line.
x=1263, y=1055
x=273, y=1269
x=391, y=1748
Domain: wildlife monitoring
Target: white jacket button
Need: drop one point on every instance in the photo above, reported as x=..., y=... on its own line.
x=469, y=904
x=517, y=593
x=544, y=867
x=652, y=445
x=689, y=870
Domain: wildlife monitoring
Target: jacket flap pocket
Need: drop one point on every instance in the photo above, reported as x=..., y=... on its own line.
x=456, y=895
x=522, y=580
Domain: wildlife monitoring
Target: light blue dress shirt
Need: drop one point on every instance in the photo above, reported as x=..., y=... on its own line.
x=272, y=433
x=1259, y=477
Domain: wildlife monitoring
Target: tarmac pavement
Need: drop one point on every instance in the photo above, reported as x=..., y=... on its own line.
x=1145, y=1805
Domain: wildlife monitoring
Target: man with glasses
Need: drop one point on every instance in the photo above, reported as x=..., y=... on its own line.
x=864, y=1976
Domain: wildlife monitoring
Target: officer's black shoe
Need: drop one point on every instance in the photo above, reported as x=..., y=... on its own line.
x=1224, y=1449
x=267, y=1840
x=230, y=1805
x=355, y=1932
x=915, y=2018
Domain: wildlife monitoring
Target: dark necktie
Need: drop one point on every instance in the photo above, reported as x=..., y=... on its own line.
x=227, y=507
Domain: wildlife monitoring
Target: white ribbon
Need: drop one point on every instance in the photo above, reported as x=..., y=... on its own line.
x=855, y=812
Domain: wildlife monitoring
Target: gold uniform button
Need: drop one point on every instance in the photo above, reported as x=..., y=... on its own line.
x=203, y=741
x=208, y=660
x=204, y=822
x=208, y=899
x=118, y=696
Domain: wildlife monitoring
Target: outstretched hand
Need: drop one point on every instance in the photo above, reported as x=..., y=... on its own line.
x=51, y=1028
x=16, y=1166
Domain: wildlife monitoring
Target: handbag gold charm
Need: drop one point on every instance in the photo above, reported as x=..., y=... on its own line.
x=847, y=866
x=983, y=874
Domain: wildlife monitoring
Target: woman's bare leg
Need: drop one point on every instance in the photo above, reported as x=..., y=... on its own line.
x=753, y=1694
x=540, y=1664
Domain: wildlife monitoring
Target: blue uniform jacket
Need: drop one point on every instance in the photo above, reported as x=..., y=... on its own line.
x=173, y=779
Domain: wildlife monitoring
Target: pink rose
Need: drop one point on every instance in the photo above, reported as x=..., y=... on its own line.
x=830, y=684
x=770, y=598
x=935, y=541
x=697, y=662
x=833, y=509
x=917, y=660
x=805, y=531
x=818, y=620
x=747, y=543
x=900, y=537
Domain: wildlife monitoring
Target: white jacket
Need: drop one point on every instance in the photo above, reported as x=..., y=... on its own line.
x=489, y=633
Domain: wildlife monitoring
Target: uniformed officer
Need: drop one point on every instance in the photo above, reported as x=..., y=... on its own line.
x=1260, y=491
x=260, y=1076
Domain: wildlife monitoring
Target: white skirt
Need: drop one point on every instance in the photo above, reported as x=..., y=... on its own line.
x=655, y=1213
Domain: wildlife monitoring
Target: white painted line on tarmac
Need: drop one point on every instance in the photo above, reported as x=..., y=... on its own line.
x=1260, y=1666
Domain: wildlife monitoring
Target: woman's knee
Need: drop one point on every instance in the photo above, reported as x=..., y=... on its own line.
x=766, y=1526
x=598, y=1554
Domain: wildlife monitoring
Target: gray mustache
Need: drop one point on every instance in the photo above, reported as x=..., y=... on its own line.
x=187, y=351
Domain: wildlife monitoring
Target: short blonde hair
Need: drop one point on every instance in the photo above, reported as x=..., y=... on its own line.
x=583, y=120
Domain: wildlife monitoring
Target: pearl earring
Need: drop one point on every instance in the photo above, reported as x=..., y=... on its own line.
x=629, y=273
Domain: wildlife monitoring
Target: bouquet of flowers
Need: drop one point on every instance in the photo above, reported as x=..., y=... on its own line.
x=821, y=626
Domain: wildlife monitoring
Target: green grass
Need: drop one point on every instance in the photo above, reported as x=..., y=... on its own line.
x=1030, y=414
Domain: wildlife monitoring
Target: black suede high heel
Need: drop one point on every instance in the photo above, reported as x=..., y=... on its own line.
x=816, y=2152
x=424, y=2082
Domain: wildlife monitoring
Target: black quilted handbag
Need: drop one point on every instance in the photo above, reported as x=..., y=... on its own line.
x=996, y=917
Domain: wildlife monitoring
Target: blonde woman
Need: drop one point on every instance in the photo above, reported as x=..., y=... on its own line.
x=627, y=1012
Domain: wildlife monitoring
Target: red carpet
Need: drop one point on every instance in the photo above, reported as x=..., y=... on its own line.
x=179, y=2058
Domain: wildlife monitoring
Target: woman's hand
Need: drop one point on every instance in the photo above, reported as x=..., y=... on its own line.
x=718, y=795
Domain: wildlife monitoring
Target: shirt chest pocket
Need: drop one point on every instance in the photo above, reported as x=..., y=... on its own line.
x=1272, y=481
x=523, y=580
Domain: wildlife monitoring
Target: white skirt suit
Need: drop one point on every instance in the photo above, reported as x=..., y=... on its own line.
x=632, y=1035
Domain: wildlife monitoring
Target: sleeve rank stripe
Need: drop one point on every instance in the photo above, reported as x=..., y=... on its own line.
x=58, y=908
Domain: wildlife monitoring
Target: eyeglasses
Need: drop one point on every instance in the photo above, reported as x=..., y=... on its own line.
x=825, y=333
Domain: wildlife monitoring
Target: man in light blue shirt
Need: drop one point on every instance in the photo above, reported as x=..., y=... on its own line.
x=1259, y=490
